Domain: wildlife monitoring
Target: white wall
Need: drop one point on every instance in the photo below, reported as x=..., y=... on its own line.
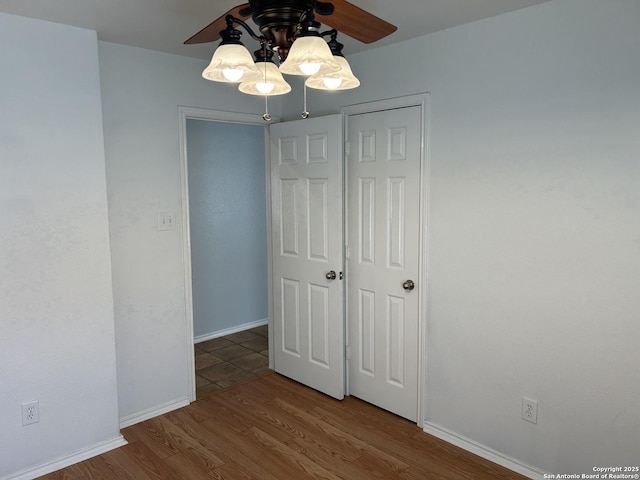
x=141, y=92
x=56, y=326
x=227, y=218
x=534, y=226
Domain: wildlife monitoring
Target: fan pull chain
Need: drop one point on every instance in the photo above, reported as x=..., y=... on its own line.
x=266, y=117
x=305, y=113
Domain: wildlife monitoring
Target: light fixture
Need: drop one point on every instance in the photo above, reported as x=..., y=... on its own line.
x=309, y=53
x=343, y=79
x=231, y=62
x=269, y=81
x=307, y=56
x=301, y=50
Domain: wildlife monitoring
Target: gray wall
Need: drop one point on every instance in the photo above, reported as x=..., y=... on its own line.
x=56, y=307
x=534, y=226
x=227, y=217
x=141, y=92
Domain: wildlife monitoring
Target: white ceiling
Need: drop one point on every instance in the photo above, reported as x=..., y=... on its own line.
x=165, y=24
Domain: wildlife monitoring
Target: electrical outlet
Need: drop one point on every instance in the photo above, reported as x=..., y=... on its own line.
x=529, y=410
x=30, y=412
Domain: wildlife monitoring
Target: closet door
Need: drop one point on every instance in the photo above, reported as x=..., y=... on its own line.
x=383, y=168
x=307, y=252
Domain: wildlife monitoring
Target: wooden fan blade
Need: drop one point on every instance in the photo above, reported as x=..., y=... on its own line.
x=211, y=32
x=357, y=23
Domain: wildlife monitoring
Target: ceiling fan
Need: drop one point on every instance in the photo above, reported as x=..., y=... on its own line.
x=279, y=21
x=288, y=28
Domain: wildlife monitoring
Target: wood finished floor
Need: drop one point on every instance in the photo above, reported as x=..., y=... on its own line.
x=272, y=428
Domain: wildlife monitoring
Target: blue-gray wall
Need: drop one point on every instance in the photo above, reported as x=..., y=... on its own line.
x=227, y=214
x=534, y=226
x=57, y=341
x=141, y=91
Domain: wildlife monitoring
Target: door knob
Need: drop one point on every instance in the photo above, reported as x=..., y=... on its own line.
x=409, y=285
x=331, y=275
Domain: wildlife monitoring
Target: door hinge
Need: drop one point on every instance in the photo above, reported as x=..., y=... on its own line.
x=346, y=252
x=347, y=353
x=347, y=148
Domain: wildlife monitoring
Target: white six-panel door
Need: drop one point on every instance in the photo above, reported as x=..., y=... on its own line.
x=307, y=245
x=383, y=169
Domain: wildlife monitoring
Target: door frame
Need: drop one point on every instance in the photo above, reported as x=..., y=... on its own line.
x=192, y=113
x=422, y=101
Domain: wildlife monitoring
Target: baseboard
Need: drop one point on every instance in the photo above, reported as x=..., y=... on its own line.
x=62, y=462
x=229, y=331
x=153, y=412
x=482, y=451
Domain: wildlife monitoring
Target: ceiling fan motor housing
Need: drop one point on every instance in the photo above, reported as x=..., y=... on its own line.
x=278, y=20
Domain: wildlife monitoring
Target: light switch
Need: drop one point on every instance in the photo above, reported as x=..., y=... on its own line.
x=166, y=221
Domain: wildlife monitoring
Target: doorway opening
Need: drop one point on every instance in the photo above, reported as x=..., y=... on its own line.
x=225, y=247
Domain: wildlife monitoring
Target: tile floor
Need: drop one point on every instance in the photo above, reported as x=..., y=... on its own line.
x=231, y=360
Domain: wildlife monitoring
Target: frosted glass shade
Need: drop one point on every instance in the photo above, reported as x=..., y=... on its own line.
x=343, y=79
x=269, y=82
x=308, y=56
x=230, y=63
